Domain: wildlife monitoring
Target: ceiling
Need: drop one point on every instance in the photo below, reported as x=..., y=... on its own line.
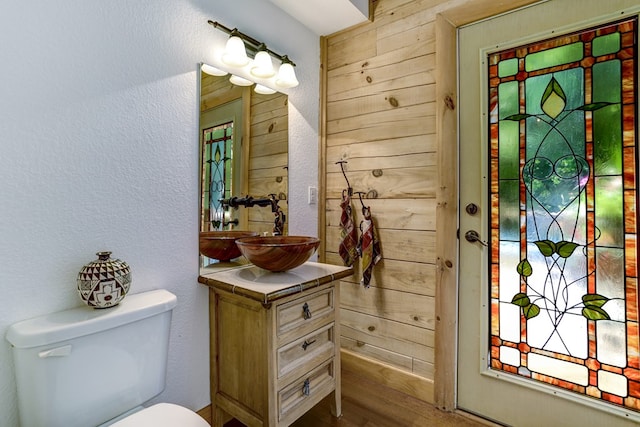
x=325, y=17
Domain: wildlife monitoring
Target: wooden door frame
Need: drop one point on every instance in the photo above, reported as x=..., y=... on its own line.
x=447, y=196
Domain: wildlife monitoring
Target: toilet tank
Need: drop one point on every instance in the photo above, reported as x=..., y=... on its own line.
x=85, y=366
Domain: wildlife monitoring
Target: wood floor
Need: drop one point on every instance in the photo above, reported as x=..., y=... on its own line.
x=368, y=404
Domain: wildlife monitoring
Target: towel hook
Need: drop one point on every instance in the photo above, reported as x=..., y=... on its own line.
x=364, y=208
x=349, y=189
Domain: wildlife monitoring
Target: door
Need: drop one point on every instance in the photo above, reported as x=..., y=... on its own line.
x=221, y=165
x=548, y=301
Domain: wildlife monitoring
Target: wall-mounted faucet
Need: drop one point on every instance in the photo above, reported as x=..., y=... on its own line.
x=248, y=201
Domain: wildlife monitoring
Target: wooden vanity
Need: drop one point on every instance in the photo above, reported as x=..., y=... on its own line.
x=275, y=349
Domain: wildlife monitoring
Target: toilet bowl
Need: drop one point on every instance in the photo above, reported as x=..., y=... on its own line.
x=87, y=367
x=161, y=415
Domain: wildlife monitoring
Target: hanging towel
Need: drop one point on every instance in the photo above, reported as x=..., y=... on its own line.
x=369, y=247
x=348, y=233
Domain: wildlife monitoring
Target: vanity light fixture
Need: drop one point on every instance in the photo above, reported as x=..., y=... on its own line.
x=247, y=57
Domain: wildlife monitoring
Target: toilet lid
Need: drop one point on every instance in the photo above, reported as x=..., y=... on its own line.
x=163, y=415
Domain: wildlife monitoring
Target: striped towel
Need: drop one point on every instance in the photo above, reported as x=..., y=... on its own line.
x=348, y=233
x=369, y=247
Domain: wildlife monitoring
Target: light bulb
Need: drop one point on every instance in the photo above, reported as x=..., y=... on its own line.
x=239, y=81
x=263, y=90
x=262, y=66
x=212, y=71
x=235, y=53
x=286, y=75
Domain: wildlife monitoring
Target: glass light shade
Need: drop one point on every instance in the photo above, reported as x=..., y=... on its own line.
x=235, y=54
x=239, y=81
x=286, y=76
x=212, y=71
x=262, y=66
x=263, y=90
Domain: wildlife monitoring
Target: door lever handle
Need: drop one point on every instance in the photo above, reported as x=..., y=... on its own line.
x=472, y=236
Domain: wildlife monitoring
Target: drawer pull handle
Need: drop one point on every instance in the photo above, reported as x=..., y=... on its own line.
x=306, y=313
x=306, y=387
x=306, y=344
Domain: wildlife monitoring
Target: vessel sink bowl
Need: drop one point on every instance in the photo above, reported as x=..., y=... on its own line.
x=221, y=245
x=278, y=253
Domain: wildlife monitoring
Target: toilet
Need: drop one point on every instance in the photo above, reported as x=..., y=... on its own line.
x=96, y=367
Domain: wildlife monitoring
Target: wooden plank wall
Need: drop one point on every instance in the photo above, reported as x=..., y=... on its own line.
x=268, y=165
x=380, y=118
x=215, y=91
x=268, y=143
x=383, y=113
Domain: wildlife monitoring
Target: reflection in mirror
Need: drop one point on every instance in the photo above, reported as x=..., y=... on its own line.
x=221, y=160
x=243, y=152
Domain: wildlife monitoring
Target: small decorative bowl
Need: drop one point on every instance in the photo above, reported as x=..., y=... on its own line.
x=221, y=245
x=278, y=253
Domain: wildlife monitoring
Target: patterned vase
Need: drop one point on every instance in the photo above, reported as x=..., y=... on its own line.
x=104, y=282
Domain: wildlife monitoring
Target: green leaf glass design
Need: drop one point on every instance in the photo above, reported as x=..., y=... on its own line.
x=594, y=300
x=524, y=268
x=565, y=249
x=595, y=313
x=530, y=311
x=553, y=100
x=521, y=299
x=594, y=106
x=546, y=247
x=517, y=117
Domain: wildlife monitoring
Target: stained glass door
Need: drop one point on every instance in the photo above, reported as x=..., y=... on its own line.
x=557, y=283
x=221, y=164
x=217, y=171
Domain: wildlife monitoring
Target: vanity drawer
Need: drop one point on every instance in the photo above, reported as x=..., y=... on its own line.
x=306, y=311
x=305, y=392
x=306, y=352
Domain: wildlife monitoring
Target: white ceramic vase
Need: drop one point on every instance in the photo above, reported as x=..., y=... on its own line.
x=103, y=283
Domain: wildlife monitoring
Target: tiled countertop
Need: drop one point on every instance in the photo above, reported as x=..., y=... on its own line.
x=264, y=286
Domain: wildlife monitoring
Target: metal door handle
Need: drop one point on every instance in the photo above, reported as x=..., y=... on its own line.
x=472, y=236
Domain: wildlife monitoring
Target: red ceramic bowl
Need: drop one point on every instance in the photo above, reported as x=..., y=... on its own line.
x=278, y=253
x=221, y=245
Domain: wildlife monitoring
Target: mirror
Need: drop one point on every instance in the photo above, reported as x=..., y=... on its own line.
x=244, y=142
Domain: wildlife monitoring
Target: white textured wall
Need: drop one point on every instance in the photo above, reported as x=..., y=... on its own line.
x=98, y=151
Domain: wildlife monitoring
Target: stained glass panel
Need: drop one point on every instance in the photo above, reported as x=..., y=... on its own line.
x=217, y=152
x=563, y=189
